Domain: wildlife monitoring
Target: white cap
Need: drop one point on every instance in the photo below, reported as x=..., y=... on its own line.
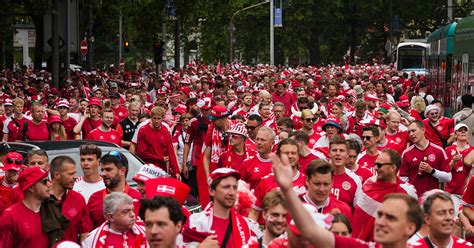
x=459, y=125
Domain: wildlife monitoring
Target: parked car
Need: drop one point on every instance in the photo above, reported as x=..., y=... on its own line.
x=71, y=148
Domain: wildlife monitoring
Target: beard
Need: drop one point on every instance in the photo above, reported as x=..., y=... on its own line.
x=114, y=181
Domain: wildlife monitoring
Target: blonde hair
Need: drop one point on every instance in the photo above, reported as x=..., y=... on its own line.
x=158, y=111
x=418, y=103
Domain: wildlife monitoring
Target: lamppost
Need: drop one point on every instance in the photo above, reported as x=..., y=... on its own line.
x=232, y=28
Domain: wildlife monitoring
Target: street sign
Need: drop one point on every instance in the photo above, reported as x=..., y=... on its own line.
x=61, y=42
x=278, y=18
x=84, y=47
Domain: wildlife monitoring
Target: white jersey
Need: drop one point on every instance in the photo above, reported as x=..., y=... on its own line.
x=87, y=189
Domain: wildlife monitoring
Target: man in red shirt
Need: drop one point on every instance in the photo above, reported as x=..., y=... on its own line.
x=347, y=184
x=91, y=119
x=374, y=189
x=21, y=224
x=438, y=130
x=397, y=219
x=120, y=229
x=234, y=157
x=9, y=182
x=105, y=132
x=275, y=216
x=255, y=168
x=370, y=138
x=253, y=124
x=424, y=164
x=119, y=110
x=393, y=132
x=70, y=203
x=68, y=122
x=306, y=154
x=155, y=146
x=439, y=216
x=12, y=127
x=36, y=128
x=288, y=147
x=114, y=169
x=245, y=106
x=195, y=135
x=283, y=96
x=319, y=182
x=220, y=216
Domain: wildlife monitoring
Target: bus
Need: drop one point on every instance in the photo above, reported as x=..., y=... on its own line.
x=411, y=57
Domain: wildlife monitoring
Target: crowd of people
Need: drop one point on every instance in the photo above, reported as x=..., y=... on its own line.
x=330, y=156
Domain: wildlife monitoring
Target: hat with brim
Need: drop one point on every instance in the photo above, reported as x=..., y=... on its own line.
x=223, y=173
x=218, y=112
x=31, y=176
x=459, y=126
x=239, y=129
x=430, y=108
x=403, y=102
x=13, y=161
x=332, y=122
x=149, y=171
x=96, y=102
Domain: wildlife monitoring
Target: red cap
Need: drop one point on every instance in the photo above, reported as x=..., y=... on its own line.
x=280, y=81
x=54, y=119
x=95, y=101
x=371, y=97
x=13, y=161
x=222, y=173
x=181, y=109
x=167, y=187
x=218, y=112
x=31, y=176
x=205, y=103
x=375, y=122
x=186, y=90
x=239, y=129
x=403, y=101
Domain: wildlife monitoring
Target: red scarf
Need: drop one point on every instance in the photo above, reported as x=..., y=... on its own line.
x=100, y=236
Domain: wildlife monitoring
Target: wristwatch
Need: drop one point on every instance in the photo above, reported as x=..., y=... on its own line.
x=433, y=171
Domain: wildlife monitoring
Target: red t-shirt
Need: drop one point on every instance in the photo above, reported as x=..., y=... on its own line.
x=74, y=208
x=346, y=187
x=318, y=125
x=120, y=111
x=21, y=227
x=268, y=184
x=363, y=173
x=445, y=128
x=96, y=204
x=14, y=129
x=195, y=135
x=304, y=161
x=7, y=195
x=230, y=159
x=90, y=125
x=111, y=136
x=400, y=137
x=411, y=158
x=220, y=226
x=254, y=169
x=391, y=145
x=287, y=99
x=69, y=125
x=460, y=171
x=313, y=138
x=250, y=147
x=367, y=161
x=37, y=131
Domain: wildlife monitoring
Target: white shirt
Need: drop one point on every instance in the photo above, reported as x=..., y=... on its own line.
x=86, y=189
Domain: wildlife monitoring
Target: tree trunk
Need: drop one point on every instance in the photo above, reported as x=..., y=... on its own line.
x=314, y=49
x=353, y=31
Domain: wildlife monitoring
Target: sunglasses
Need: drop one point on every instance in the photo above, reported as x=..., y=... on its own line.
x=14, y=161
x=88, y=146
x=251, y=127
x=379, y=165
x=118, y=155
x=233, y=135
x=310, y=119
x=367, y=137
x=44, y=181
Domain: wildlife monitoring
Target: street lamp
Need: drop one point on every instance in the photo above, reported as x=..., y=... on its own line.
x=232, y=28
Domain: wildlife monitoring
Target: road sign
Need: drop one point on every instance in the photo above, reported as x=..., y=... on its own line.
x=61, y=42
x=84, y=47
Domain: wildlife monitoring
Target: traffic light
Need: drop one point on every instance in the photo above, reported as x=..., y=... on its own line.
x=126, y=46
x=158, y=48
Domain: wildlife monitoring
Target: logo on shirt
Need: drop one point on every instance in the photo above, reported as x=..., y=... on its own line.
x=398, y=140
x=439, y=128
x=256, y=169
x=415, y=159
x=431, y=157
x=346, y=185
x=112, y=137
x=453, y=152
